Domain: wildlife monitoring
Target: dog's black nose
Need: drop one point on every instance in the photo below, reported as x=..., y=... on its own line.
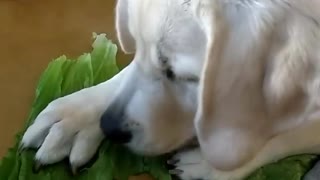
x=112, y=126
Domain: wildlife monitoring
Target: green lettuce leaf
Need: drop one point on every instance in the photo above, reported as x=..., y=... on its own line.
x=291, y=168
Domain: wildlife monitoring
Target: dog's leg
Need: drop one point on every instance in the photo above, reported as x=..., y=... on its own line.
x=302, y=140
x=69, y=126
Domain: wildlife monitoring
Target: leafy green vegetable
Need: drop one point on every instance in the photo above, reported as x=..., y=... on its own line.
x=64, y=76
x=291, y=168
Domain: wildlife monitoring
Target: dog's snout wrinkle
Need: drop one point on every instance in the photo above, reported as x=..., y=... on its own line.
x=111, y=124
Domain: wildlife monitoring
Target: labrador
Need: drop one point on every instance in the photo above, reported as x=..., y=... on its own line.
x=240, y=76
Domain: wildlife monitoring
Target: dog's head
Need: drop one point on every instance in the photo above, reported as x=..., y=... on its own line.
x=154, y=110
x=188, y=67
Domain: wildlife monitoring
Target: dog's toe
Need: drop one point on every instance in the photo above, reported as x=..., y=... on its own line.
x=191, y=172
x=189, y=165
x=85, y=145
x=191, y=156
x=56, y=146
x=37, y=132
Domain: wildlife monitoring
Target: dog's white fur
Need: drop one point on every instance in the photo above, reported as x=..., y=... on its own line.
x=258, y=98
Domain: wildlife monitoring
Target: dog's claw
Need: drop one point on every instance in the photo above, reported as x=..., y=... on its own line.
x=37, y=166
x=21, y=148
x=172, y=161
x=170, y=167
x=175, y=171
x=171, y=164
x=74, y=170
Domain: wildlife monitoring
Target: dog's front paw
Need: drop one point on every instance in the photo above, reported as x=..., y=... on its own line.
x=189, y=165
x=67, y=127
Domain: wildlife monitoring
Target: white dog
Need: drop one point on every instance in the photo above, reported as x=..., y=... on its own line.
x=240, y=75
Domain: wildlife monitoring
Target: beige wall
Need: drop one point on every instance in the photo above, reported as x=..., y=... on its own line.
x=32, y=32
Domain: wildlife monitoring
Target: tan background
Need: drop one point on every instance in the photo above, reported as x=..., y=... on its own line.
x=32, y=32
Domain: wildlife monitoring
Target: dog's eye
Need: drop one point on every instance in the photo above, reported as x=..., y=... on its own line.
x=173, y=77
x=170, y=74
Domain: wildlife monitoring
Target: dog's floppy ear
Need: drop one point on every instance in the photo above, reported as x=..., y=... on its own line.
x=211, y=18
x=212, y=21
x=126, y=40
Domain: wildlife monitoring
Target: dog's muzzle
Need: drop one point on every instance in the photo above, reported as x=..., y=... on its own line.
x=114, y=120
x=112, y=125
